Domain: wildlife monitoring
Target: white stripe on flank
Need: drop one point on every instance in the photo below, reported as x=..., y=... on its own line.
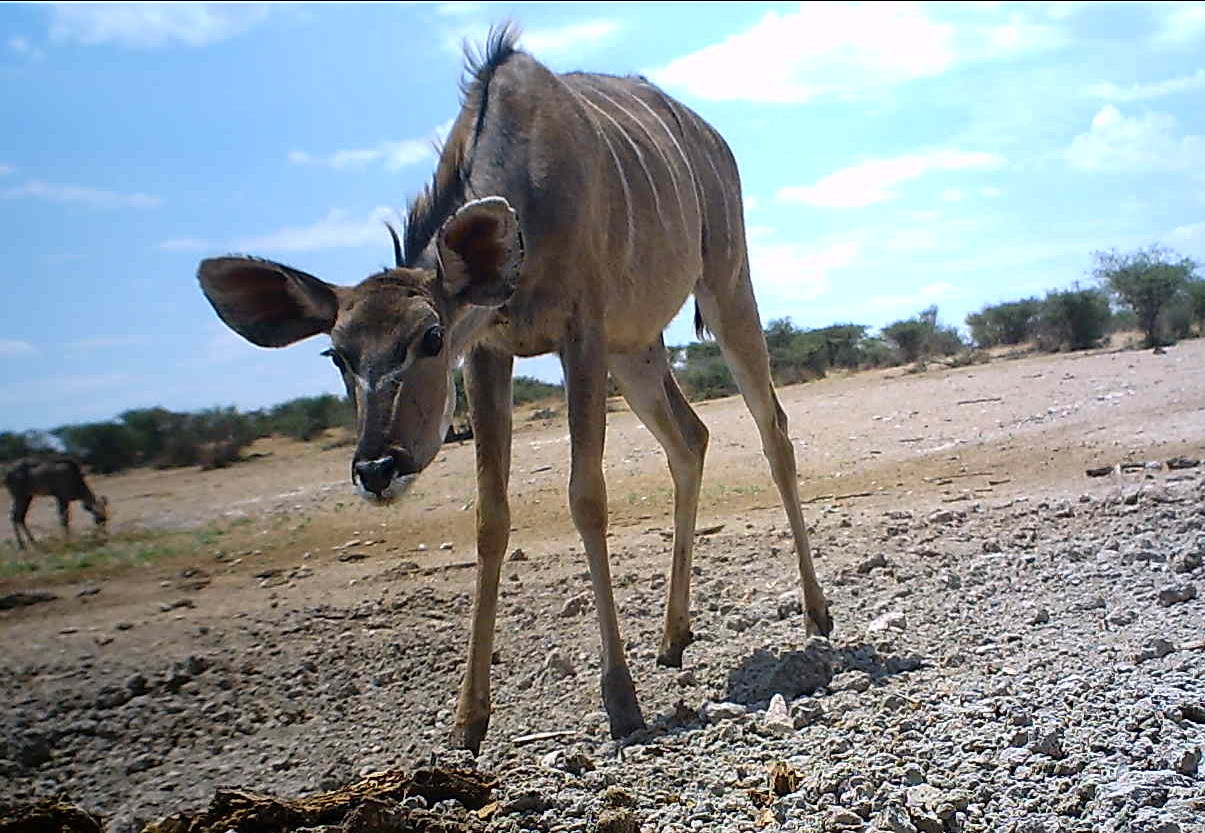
x=623, y=182
x=635, y=147
x=685, y=160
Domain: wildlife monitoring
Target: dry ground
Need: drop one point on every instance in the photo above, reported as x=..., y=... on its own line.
x=283, y=532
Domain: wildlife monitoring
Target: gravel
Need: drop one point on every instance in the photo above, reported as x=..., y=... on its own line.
x=1052, y=681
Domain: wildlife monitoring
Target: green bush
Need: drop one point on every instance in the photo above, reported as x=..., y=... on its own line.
x=17, y=444
x=1148, y=282
x=307, y=417
x=923, y=337
x=1073, y=319
x=1194, y=295
x=1013, y=322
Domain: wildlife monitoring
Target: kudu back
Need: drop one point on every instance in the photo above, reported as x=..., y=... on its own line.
x=572, y=214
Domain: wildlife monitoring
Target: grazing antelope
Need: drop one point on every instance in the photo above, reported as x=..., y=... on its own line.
x=572, y=214
x=57, y=477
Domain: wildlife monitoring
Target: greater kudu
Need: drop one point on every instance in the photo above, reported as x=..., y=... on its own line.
x=57, y=477
x=571, y=214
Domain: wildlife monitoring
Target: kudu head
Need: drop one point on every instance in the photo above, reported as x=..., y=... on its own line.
x=395, y=337
x=99, y=508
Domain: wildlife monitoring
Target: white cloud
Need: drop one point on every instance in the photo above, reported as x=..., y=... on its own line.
x=151, y=25
x=1188, y=234
x=22, y=47
x=1149, y=142
x=565, y=38
x=848, y=50
x=1151, y=89
x=1183, y=24
x=82, y=195
x=12, y=348
x=6, y=169
x=392, y=155
x=924, y=297
x=951, y=195
x=338, y=229
x=989, y=191
x=791, y=272
x=872, y=181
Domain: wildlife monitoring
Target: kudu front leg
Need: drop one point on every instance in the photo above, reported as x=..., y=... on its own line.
x=487, y=379
x=586, y=390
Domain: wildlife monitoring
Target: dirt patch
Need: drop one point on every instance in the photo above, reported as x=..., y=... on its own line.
x=1016, y=643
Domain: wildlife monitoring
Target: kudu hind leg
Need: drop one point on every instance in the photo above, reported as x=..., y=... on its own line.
x=487, y=381
x=649, y=387
x=737, y=327
x=586, y=390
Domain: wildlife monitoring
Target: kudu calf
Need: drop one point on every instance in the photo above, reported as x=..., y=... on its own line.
x=572, y=214
x=57, y=477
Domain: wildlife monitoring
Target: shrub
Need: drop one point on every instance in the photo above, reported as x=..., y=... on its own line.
x=1075, y=319
x=922, y=337
x=1147, y=282
x=14, y=445
x=1013, y=322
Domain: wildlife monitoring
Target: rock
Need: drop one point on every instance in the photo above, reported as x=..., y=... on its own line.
x=557, y=666
x=858, y=681
x=789, y=605
x=806, y=711
x=1187, y=561
x=617, y=821
x=1155, y=648
x=889, y=621
x=574, y=606
x=136, y=684
x=1175, y=594
x=778, y=720
x=1049, y=743
x=518, y=555
x=875, y=562
x=895, y=820
x=142, y=763
x=840, y=818
x=716, y=712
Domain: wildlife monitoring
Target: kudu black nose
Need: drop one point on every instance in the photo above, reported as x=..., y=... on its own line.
x=376, y=475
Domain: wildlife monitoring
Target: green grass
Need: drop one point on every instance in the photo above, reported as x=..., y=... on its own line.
x=54, y=556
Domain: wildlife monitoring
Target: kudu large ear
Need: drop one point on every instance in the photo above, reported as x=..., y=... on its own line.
x=266, y=303
x=481, y=252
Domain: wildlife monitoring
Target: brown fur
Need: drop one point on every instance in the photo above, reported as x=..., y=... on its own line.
x=572, y=214
x=59, y=477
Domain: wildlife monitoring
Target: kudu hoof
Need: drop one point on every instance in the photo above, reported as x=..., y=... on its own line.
x=820, y=622
x=619, y=699
x=469, y=735
x=670, y=655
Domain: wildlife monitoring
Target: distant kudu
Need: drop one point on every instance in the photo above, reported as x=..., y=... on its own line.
x=572, y=214
x=57, y=477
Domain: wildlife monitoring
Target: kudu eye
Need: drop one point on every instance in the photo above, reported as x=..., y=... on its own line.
x=433, y=341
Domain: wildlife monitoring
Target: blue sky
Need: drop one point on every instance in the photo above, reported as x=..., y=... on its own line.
x=893, y=156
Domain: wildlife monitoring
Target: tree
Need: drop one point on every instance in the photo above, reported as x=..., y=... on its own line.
x=921, y=336
x=1073, y=318
x=1194, y=291
x=1013, y=322
x=1145, y=281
